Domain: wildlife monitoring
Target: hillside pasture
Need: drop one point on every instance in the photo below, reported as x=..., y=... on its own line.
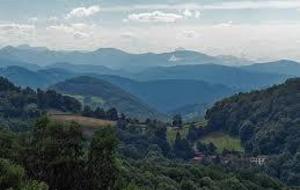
x=223, y=141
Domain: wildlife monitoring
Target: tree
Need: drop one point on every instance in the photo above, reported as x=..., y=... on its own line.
x=11, y=175
x=102, y=170
x=54, y=155
x=112, y=114
x=182, y=148
x=192, y=134
x=211, y=148
x=100, y=113
x=87, y=111
x=177, y=121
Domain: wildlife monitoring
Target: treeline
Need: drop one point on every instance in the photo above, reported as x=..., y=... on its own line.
x=267, y=123
x=99, y=113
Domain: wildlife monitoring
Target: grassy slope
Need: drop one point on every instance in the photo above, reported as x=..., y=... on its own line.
x=89, y=124
x=222, y=141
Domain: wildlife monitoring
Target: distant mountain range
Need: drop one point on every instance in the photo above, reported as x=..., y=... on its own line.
x=182, y=81
x=114, y=58
x=283, y=67
x=237, y=78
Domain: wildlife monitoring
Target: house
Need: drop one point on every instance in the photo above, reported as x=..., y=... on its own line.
x=259, y=160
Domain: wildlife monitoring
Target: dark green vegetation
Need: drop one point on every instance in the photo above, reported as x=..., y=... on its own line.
x=99, y=93
x=133, y=155
x=267, y=123
x=18, y=107
x=58, y=156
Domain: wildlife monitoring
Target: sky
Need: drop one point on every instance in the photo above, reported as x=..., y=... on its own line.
x=258, y=30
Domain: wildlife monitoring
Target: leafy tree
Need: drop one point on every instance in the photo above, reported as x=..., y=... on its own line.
x=102, y=170
x=100, y=113
x=54, y=155
x=87, y=111
x=182, y=148
x=11, y=175
x=112, y=114
x=192, y=133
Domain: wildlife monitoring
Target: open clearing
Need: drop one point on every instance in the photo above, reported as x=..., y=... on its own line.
x=223, y=141
x=84, y=121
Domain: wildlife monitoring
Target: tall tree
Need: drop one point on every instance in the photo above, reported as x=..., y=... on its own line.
x=102, y=170
x=54, y=155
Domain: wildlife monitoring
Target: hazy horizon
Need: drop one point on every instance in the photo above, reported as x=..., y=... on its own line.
x=255, y=30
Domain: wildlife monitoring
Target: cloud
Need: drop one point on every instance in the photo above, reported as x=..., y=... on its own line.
x=16, y=33
x=83, y=11
x=224, y=25
x=188, y=13
x=228, y=5
x=127, y=35
x=190, y=34
x=156, y=16
x=77, y=30
x=18, y=28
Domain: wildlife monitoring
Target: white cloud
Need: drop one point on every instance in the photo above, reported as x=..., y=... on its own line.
x=127, y=35
x=16, y=33
x=83, y=11
x=156, y=16
x=190, y=34
x=17, y=27
x=187, y=13
x=228, y=5
x=77, y=30
x=225, y=24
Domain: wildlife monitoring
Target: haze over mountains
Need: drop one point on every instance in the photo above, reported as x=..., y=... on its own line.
x=182, y=81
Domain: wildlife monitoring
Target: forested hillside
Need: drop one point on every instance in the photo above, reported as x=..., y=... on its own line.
x=99, y=93
x=18, y=106
x=268, y=123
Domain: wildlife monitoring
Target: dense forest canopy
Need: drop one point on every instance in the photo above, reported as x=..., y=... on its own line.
x=267, y=122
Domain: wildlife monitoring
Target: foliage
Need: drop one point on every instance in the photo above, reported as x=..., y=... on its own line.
x=267, y=122
x=101, y=169
x=18, y=104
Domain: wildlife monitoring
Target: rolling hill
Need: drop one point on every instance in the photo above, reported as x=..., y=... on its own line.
x=169, y=95
x=97, y=92
x=35, y=79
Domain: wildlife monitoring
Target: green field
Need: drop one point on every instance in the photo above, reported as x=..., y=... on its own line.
x=171, y=133
x=223, y=141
